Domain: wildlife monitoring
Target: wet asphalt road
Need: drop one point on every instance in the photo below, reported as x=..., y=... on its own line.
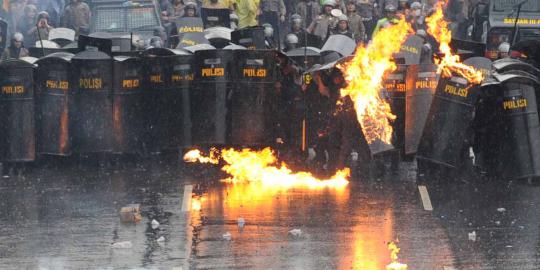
x=68, y=218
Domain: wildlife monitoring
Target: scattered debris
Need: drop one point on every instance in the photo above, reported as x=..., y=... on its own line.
x=501, y=209
x=296, y=233
x=161, y=239
x=472, y=236
x=497, y=223
x=155, y=224
x=241, y=223
x=354, y=156
x=131, y=213
x=227, y=236
x=123, y=244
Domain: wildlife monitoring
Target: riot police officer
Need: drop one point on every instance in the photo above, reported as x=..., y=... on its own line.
x=16, y=48
x=390, y=18
x=323, y=23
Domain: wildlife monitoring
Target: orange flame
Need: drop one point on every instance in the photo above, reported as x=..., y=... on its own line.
x=195, y=155
x=364, y=75
x=262, y=166
x=395, y=265
x=449, y=63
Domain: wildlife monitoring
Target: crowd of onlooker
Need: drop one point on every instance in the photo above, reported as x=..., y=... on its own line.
x=287, y=20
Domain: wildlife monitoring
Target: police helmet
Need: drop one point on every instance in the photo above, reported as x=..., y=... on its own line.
x=416, y=5
x=18, y=37
x=343, y=17
x=190, y=5
x=390, y=8
x=331, y=3
x=291, y=39
x=268, y=30
x=504, y=47
x=296, y=18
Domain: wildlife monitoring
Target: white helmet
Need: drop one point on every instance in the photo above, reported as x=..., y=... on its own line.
x=329, y=3
x=504, y=47
x=18, y=37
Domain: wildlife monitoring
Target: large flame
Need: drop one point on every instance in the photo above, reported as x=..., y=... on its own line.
x=364, y=75
x=395, y=265
x=262, y=166
x=449, y=63
x=195, y=156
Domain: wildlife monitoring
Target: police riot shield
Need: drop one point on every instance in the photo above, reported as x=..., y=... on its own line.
x=411, y=50
x=252, y=117
x=447, y=129
x=341, y=44
x=54, y=95
x=395, y=87
x=219, y=37
x=189, y=25
x=192, y=39
x=92, y=113
x=209, y=99
x=305, y=56
x=17, y=124
x=167, y=75
x=3, y=35
x=216, y=17
x=89, y=42
x=128, y=113
x=251, y=38
x=520, y=153
x=62, y=36
x=421, y=84
x=182, y=80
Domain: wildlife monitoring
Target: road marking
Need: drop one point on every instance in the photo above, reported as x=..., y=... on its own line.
x=186, y=202
x=424, y=195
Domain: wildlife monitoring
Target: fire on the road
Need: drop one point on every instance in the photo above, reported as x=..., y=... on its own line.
x=395, y=265
x=438, y=28
x=364, y=75
x=262, y=166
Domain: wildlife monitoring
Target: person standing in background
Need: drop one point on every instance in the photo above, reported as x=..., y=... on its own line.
x=308, y=10
x=247, y=11
x=27, y=22
x=16, y=48
x=41, y=30
x=76, y=16
x=356, y=24
x=273, y=12
x=322, y=24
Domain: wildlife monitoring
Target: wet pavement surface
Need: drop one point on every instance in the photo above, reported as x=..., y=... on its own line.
x=68, y=218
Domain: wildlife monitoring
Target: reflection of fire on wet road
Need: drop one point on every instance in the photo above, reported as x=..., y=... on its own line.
x=395, y=265
x=262, y=166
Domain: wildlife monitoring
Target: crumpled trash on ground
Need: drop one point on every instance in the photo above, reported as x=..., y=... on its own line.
x=472, y=236
x=501, y=209
x=295, y=233
x=161, y=239
x=123, y=244
x=227, y=236
x=131, y=213
x=154, y=224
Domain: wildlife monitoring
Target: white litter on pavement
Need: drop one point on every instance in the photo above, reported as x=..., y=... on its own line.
x=502, y=209
x=155, y=224
x=161, y=239
x=123, y=244
x=472, y=236
x=295, y=233
x=227, y=236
